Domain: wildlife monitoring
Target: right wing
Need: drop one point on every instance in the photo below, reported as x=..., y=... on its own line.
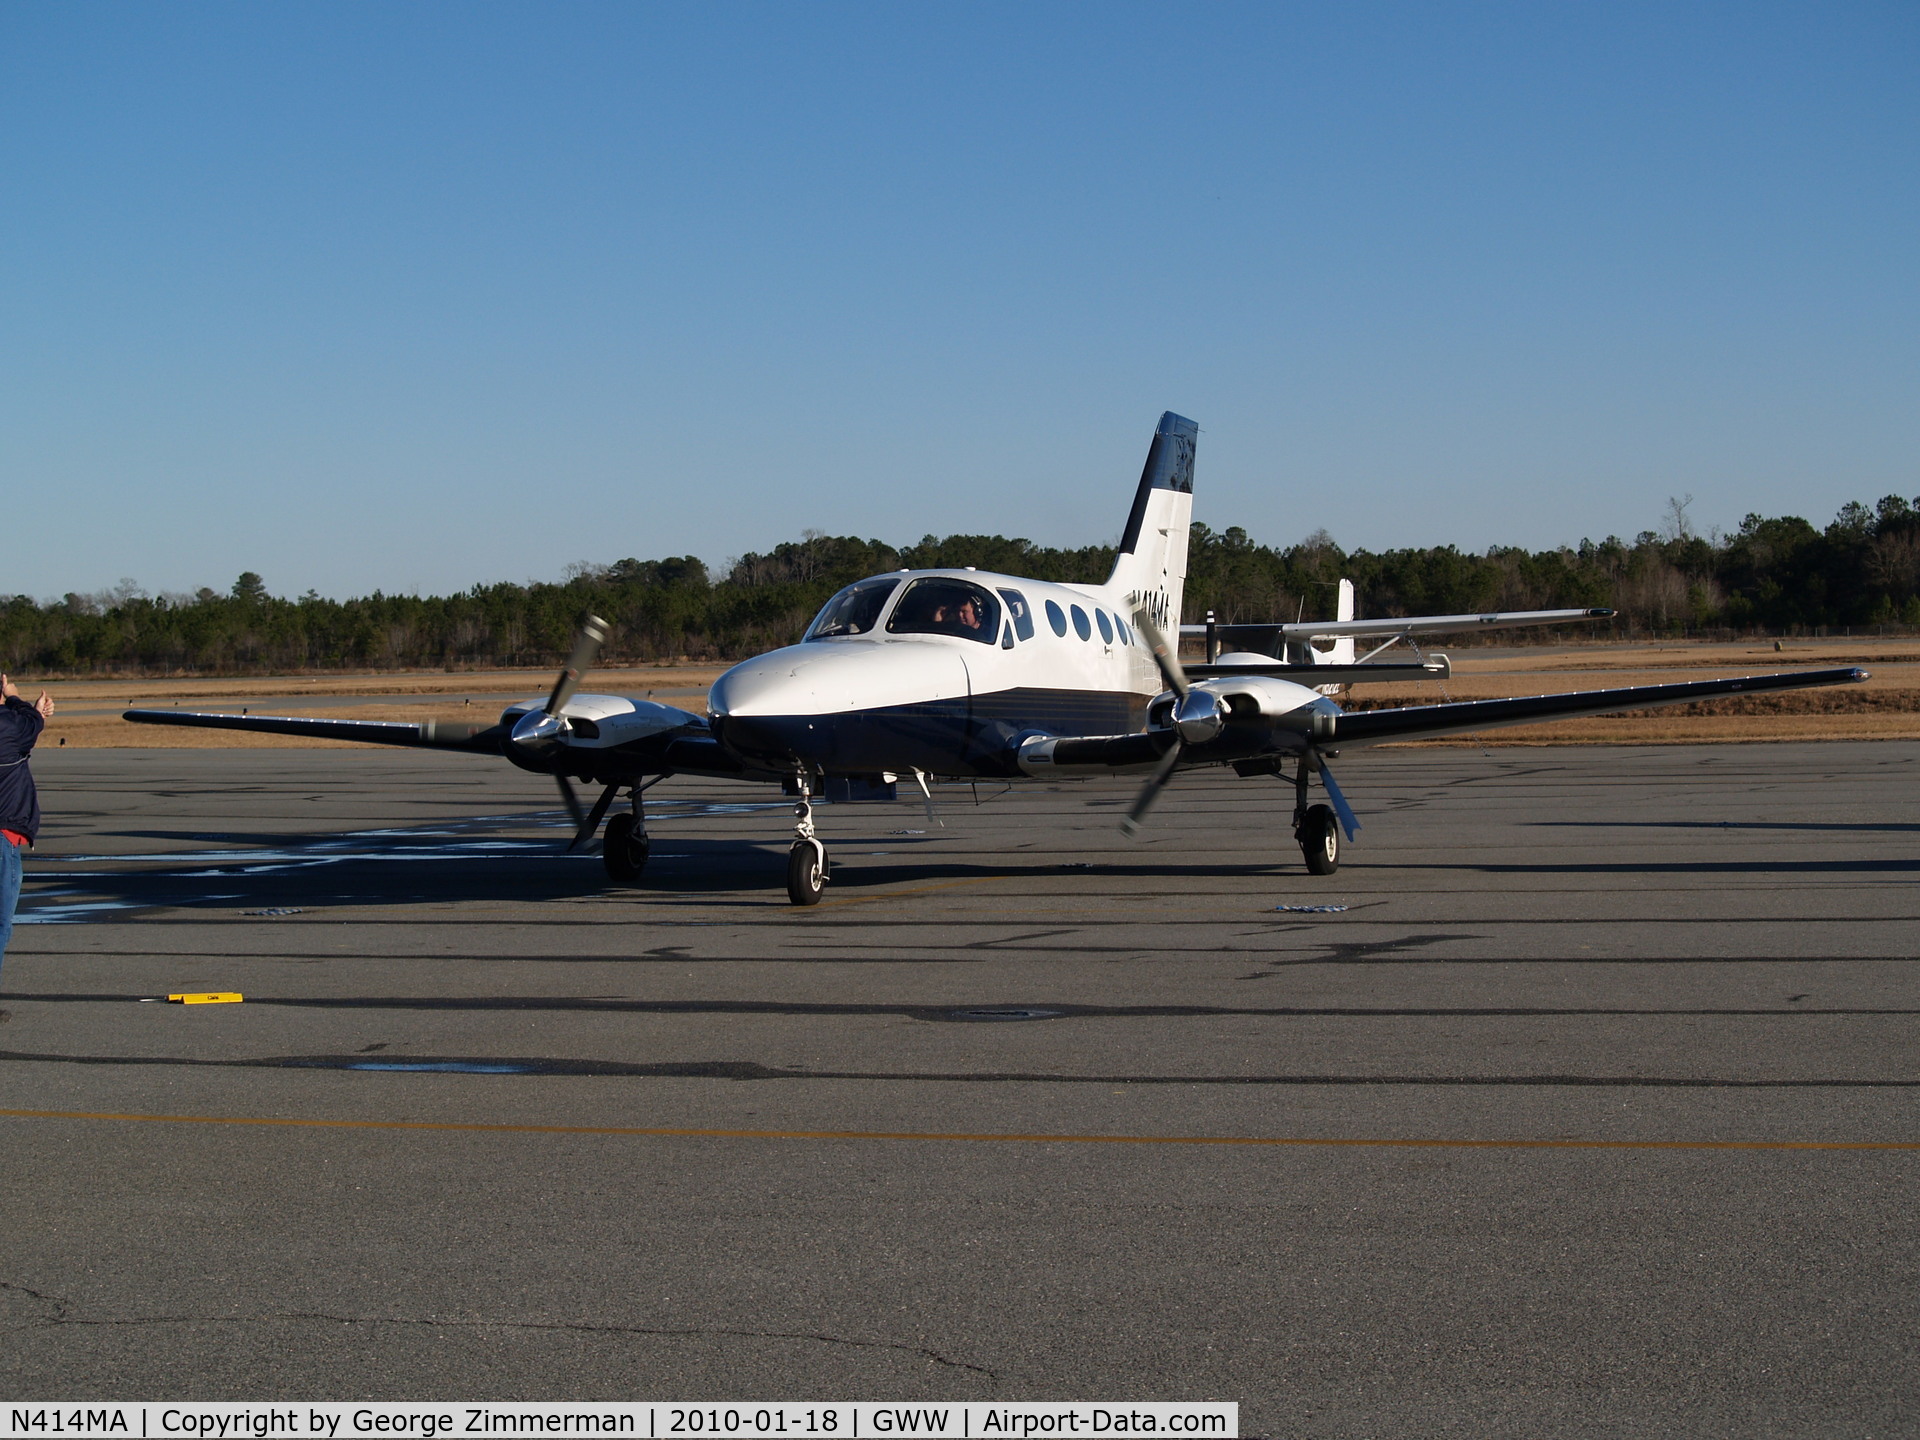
x=431, y=734
x=679, y=753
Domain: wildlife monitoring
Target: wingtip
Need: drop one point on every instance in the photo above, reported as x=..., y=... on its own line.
x=1856, y=675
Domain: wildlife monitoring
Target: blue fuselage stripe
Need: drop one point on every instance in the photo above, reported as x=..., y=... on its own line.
x=961, y=736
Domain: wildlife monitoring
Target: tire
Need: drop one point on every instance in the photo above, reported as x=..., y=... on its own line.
x=623, y=852
x=806, y=873
x=1319, y=836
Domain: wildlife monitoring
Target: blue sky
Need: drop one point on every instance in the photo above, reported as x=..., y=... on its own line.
x=419, y=296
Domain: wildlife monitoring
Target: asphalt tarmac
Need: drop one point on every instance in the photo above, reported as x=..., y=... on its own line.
x=1561, y=1126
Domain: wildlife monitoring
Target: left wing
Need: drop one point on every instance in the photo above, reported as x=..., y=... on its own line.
x=1277, y=724
x=1372, y=727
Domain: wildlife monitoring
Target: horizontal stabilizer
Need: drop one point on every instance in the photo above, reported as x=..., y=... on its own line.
x=429, y=734
x=1415, y=722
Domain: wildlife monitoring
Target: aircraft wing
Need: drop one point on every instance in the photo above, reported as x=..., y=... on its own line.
x=1404, y=625
x=696, y=754
x=1411, y=722
x=431, y=734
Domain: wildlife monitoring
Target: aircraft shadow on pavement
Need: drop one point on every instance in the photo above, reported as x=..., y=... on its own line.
x=380, y=1060
x=280, y=872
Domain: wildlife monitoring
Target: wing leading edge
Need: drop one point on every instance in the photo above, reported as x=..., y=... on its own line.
x=1370, y=727
x=429, y=734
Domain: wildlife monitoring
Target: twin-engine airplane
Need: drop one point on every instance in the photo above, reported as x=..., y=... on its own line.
x=963, y=674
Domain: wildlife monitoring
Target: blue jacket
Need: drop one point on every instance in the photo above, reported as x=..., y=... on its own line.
x=20, y=726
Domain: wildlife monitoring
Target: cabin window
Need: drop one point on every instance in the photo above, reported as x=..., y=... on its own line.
x=1057, y=618
x=1106, y=629
x=1081, y=626
x=941, y=606
x=1018, y=609
x=1126, y=635
x=854, y=611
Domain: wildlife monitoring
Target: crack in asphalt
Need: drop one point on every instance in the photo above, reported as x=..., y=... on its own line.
x=59, y=1305
x=62, y=1319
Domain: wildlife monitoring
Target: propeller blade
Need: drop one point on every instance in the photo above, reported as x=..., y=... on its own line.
x=1166, y=656
x=574, y=807
x=583, y=836
x=927, y=790
x=1150, y=792
x=1348, y=821
x=592, y=634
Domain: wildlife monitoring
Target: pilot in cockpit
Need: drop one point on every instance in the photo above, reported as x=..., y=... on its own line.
x=961, y=617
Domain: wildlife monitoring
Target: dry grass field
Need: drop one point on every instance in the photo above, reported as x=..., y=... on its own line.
x=1886, y=707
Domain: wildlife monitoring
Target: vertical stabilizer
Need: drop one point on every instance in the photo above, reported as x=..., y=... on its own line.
x=1152, y=564
x=1342, y=652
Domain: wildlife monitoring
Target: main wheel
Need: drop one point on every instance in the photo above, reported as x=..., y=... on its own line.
x=806, y=873
x=1319, y=835
x=622, y=851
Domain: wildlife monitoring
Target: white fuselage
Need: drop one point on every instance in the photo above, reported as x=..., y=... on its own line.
x=1052, y=660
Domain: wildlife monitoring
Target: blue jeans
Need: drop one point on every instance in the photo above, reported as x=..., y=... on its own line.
x=9, y=890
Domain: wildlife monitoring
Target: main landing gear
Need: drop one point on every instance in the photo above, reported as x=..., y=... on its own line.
x=625, y=844
x=807, y=860
x=1316, y=827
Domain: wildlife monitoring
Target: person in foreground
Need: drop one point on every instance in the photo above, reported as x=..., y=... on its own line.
x=20, y=726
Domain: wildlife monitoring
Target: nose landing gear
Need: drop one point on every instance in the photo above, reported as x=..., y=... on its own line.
x=1316, y=827
x=807, y=860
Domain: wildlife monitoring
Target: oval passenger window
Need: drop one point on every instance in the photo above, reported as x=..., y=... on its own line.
x=1106, y=630
x=1080, y=625
x=1056, y=619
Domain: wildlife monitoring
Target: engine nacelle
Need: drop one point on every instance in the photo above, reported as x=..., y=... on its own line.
x=588, y=722
x=1246, y=703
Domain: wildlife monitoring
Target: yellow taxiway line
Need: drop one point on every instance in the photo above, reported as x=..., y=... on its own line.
x=667, y=1132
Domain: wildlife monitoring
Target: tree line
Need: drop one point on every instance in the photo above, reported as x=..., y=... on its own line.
x=1771, y=576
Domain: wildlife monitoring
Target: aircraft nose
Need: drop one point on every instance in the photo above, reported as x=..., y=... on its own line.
x=775, y=740
x=760, y=711
x=811, y=702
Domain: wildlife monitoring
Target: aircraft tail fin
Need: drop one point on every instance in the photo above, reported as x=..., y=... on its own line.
x=1152, y=563
x=1342, y=651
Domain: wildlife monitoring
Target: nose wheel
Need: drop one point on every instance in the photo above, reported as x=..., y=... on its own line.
x=625, y=844
x=807, y=860
x=1316, y=827
x=1319, y=834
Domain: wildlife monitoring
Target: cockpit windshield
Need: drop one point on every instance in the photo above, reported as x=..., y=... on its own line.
x=941, y=606
x=855, y=610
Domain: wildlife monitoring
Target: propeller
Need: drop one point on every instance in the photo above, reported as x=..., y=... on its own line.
x=593, y=634
x=1197, y=718
x=1349, y=822
x=540, y=730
